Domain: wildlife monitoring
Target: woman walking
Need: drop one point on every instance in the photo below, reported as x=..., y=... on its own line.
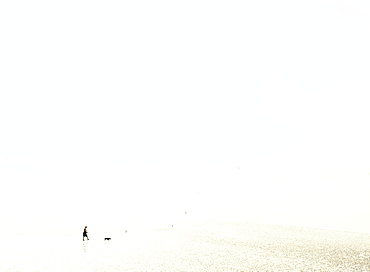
x=85, y=234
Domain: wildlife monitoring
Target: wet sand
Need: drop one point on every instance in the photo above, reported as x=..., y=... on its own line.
x=213, y=246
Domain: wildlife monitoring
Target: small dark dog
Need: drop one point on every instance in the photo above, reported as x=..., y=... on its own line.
x=107, y=239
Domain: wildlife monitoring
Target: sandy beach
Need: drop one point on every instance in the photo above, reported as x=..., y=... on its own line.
x=212, y=246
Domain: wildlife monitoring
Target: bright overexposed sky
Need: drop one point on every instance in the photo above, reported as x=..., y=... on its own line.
x=116, y=111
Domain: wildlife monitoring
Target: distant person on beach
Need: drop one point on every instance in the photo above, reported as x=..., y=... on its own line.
x=85, y=234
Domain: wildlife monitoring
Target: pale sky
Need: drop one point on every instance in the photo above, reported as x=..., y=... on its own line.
x=133, y=110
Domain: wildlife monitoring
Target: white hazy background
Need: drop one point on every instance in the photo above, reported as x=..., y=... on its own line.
x=116, y=114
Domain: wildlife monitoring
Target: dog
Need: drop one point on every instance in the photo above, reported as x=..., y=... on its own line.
x=107, y=239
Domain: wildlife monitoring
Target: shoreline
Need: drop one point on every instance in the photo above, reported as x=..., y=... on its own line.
x=215, y=245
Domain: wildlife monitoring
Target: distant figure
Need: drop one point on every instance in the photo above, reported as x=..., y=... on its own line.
x=85, y=234
x=125, y=231
x=107, y=239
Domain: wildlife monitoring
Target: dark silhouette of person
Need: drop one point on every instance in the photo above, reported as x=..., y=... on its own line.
x=85, y=234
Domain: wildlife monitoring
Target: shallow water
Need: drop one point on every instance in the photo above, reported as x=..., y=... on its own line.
x=214, y=246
